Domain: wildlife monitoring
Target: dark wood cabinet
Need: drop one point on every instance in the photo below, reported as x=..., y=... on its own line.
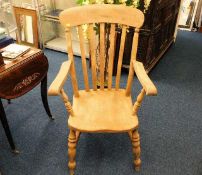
x=156, y=35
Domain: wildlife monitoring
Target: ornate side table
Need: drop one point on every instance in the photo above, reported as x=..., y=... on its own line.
x=20, y=76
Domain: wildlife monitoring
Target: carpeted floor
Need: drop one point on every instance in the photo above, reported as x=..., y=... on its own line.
x=170, y=125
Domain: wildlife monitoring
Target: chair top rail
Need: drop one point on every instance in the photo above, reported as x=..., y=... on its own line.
x=102, y=13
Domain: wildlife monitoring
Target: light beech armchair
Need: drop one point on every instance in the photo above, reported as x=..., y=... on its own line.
x=108, y=109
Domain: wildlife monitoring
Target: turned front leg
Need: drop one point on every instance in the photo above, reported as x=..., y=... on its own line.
x=136, y=149
x=72, y=140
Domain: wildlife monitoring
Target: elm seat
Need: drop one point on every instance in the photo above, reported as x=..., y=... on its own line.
x=103, y=111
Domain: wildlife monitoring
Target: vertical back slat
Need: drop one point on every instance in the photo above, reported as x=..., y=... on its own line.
x=71, y=56
x=83, y=58
x=102, y=54
x=111, y=55
x=120, y=59
x=93, y=56
x=133, y=57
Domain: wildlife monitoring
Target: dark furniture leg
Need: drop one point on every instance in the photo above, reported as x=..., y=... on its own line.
x=44, y=96
x=6, y=128
x=9, y=101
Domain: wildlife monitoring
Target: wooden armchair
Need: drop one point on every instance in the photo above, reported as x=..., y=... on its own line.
x=105, y=109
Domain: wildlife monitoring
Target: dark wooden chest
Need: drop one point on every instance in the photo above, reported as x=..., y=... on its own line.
x=156, y=35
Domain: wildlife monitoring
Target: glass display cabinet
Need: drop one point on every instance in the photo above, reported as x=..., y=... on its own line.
x=54, y=37
x=51, y=34
x=7, y=21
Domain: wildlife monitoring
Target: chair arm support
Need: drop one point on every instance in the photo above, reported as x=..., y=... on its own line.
x=145, y=81
x=58, y=83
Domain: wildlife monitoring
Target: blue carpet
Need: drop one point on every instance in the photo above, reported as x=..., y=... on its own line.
x=170, y=125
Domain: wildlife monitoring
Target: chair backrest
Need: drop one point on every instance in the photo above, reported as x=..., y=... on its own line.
x=107, y=17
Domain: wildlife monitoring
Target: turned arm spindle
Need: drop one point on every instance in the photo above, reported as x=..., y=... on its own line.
x=138, y=102
x=66, y=102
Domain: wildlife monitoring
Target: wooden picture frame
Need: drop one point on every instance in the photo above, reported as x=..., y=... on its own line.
x=27, y=24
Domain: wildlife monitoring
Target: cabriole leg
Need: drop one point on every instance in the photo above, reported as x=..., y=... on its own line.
x=44, y=97
x=6, y=128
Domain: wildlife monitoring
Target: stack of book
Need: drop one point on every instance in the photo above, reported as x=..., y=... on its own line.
x=13, y=51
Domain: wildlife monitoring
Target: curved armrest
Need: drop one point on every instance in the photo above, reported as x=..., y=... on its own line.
x=145, y=81
x=60, y=79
